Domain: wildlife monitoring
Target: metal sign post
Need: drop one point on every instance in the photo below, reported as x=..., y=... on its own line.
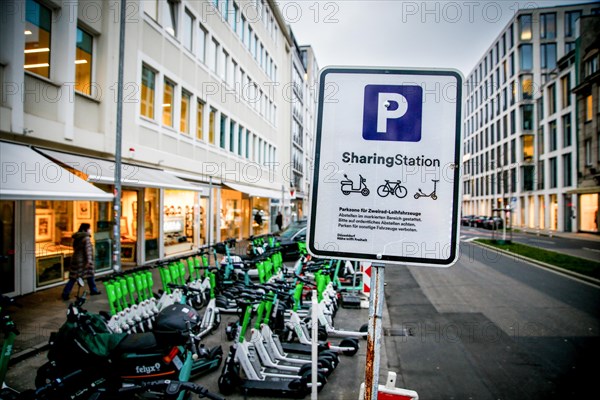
x=375, y=332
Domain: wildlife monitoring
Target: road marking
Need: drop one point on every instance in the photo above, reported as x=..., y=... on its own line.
x=470, y=239
x=587, y=248
x=541, y=241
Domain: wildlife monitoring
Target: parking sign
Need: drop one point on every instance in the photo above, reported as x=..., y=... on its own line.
x=386, y=186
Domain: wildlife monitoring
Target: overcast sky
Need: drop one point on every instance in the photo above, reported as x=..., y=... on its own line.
x=395, y=33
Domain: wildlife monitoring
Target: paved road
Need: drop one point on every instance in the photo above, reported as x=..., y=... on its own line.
x=492, y=327
x=589, y=249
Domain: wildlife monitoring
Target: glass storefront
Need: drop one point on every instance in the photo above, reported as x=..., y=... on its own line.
x=129, y=226
x=588, y=210
x=180, y=226
x=151, y=224
x=261, y=216
x=55, y=223
x=231, y=214
x=7, y=246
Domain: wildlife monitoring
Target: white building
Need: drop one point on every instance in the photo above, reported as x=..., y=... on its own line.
x=206, y=128
x=519, y=141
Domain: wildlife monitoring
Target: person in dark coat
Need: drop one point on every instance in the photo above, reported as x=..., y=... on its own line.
x=279, y=220
x=82, y=261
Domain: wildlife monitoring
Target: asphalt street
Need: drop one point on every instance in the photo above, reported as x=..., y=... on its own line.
x=492, y=327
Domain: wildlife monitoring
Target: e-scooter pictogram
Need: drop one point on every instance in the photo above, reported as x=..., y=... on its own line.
x=348, y=186
x=433, y=194
x=392, y=187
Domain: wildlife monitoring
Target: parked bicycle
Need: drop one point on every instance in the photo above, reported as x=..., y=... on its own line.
x=392, y=187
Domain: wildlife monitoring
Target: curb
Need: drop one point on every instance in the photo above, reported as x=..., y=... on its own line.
x=585, y=278
x=25, y=354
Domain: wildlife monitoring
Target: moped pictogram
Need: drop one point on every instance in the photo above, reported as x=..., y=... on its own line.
x=348, y=186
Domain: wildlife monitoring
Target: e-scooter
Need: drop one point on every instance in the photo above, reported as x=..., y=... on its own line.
x=433, y=194
x=348, y=186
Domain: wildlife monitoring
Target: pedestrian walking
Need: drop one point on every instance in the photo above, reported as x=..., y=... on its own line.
x=279, y=220
x=82, y=261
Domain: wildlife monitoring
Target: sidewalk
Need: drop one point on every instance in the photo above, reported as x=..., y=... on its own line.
x=565, y=235
x=44, y=312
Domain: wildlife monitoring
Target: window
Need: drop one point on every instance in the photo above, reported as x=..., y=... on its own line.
x=567, y=170
x=211, y=125
x=569, y=46
x=527, y=117
x=551, y=99
x=548, y=26
x=38, y=27
x=565, y=88
x=247, y=144
x=234, y=21
x=201, y=44
x=553, y=136
x=513, y=151
x=566, y=123
x=548, y=55
x=527, y=86
x=591, y=65
x=527, y=145
x=540, y=108
x=540, y=175
x=526, y=57
x=188, y=30
x=184, y=118
x=570, y=22
x=223, y=127
x=513, y=123
x=83, y=62
x=553, y=173
x=511, y=64
x=232, y=131
x=214, y=55
x=170, y=13
x=168, y=103
x=589, y=110
x=525, y=27
x=511, y=38
x=200, y=120
x=587, y=145
x=240, y=137
x=147, y=95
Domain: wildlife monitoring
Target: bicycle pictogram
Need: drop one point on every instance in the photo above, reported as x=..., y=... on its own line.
x=392, y=187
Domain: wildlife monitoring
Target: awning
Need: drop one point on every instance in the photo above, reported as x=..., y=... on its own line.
x=254, y=191
x=103, y=171
x=27, y=175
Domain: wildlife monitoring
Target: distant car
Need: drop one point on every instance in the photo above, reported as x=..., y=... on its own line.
x=466, y=220
x=478, y=221
x=493, y=223
x=289, y=238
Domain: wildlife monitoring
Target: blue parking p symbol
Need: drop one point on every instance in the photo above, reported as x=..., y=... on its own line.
x=393, y=112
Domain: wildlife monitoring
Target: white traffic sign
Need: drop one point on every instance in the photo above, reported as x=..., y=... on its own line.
x=386, y=186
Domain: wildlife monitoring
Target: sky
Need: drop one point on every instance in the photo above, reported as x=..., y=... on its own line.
x=395, y=33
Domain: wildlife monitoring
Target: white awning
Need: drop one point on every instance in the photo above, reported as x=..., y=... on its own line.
x=255, y=191
x=103, y=171
x=27, y=175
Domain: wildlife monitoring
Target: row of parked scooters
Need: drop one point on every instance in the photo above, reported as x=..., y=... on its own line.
x=150, y=342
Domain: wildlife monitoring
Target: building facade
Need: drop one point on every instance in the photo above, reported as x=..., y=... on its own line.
x=520, y=143
x=205, y=129
x=588, y=106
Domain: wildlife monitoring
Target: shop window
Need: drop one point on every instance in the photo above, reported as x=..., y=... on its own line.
x=7, y=246
x=38, y=46
x=147, y=100
x=261, y=216
x=151, y=219
x=179, y=226
x=589, y=212
x=83, y=62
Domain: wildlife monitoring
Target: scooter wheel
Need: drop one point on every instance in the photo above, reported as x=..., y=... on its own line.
x=307, y=379
x=322, y=335
x=434, y=197
x=331, y=354
x=352, y=344
x=226, y=386
x=45, y=374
